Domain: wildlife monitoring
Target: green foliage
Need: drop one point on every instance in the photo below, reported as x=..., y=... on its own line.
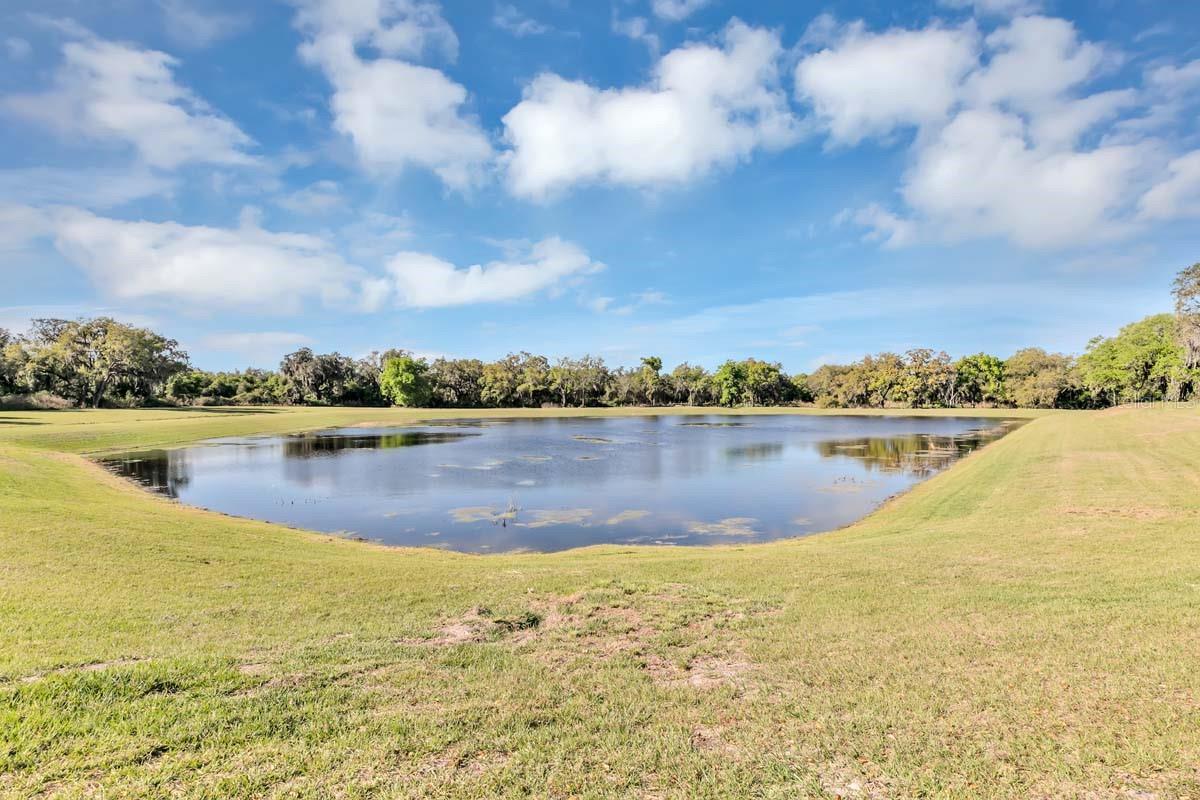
x=93, y=361
x=405, y=382
x=1144, y=361
x=729, y=383
x=1037, y=379
x=456, y=383
x=11, y=361
x=980, y=379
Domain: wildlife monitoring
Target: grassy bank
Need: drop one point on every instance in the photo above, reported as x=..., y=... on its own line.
x=1025, y=624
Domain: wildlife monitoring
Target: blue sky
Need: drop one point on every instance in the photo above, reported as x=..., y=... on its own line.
x=689, y=178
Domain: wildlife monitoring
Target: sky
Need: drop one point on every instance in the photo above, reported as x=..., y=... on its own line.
x=693, y=179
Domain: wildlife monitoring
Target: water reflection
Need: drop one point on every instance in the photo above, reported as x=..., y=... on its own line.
x=310, y=445
x=493, y=485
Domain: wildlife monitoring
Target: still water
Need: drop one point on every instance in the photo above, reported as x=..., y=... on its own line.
x=548, y=484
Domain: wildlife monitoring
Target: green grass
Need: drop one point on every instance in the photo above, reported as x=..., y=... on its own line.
x=1026, y=624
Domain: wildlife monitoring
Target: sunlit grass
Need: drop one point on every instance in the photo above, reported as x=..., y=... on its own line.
x=1025, y=624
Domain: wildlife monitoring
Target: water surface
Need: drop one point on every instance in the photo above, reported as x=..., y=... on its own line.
x=549, y=484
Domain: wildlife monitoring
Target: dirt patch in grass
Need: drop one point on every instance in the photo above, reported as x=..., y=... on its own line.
x=457, y=761
x=712, y=739
x=1143, y=513
x=705, y=672
x=95, y=666
x=842, y=780
x=479, y=625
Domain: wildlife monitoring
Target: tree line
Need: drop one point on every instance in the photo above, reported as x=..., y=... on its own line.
x=90, y=363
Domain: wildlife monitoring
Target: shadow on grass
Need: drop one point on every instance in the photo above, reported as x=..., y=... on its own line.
x=15, y=421
x=220, y=409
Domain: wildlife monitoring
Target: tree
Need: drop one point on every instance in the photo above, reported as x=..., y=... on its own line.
x=729, y=382
x=534, y=378
x=765, y=383
x=1187, y=311
x=456, y=382
x=883, y=376
x=1144, y=361
x=691, y=385
x=187, y=386
x=404, y=382
x=90, y=361
x=650, y=378
x=11, y=359
x=928, y=378
x=499, y=382
x=1037, y=379
x=979, y=379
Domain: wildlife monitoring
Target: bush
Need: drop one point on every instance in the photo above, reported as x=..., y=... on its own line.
x=38, y=401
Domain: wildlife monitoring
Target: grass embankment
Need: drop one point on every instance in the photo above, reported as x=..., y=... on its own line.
x=1025, y=624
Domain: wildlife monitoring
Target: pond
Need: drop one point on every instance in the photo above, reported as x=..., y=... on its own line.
x=548, y=484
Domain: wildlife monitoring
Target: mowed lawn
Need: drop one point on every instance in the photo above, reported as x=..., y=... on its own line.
x=1026, y=624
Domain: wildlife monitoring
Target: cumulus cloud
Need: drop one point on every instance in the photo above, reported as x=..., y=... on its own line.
x=868, y=84
x=981, y=177
x=207, y=267
x=705, y=106
x=676, y=10
x=246, y=267
x=120, y=93
x=1010, y=143
x=1033, y=62
x=426, y=281
x=397, y=113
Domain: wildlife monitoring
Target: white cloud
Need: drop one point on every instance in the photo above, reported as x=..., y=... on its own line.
x=883, y=225
x=1011, y=144
x=396, y=113
x=206, y=267
x=705, y=106
x=400, y=28
x=425, y=281
x=1178, y=195
x=1175, y=80
x=999, y=8
x=193, y=27
x=676, y=10
x=115, y=92
x=18, y=49
x=509, y=18
x=1034, y=62
x=638, y=29
x=869, y=84
x=21, y=225
x=316, y=198
x=981, y=177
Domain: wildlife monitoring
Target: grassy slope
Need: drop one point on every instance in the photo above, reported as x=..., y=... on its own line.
x=1025, y=624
